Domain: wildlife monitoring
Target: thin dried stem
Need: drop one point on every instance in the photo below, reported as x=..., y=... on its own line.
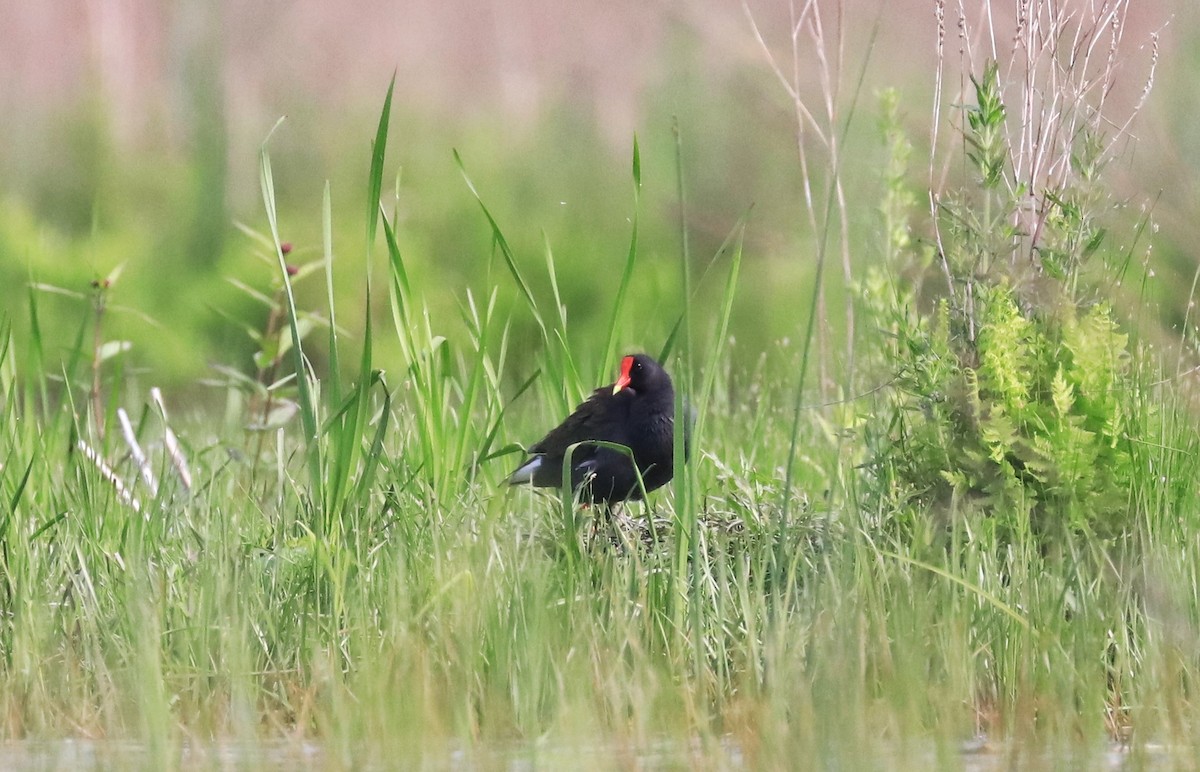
x=936, y=122
x=1062, y=68
x=110, y=476
x=813, y=39
x=174, y=452
x=135, y=449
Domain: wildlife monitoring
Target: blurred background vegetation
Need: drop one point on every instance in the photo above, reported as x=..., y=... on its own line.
x=132, y=131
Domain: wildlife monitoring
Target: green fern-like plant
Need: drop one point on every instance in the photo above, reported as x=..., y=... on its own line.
x=1025, y=426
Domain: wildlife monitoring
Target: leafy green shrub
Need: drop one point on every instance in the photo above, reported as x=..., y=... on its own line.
x=1010, y=387
x=1026, y=424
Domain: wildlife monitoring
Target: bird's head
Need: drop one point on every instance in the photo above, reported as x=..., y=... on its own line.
x=641, y=375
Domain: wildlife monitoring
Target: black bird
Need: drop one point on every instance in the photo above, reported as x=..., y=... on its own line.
x=637, y=411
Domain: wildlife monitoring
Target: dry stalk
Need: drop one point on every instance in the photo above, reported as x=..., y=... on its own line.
x=174, y=452
x=817, y=128
x=135, y=449
x=109, y=475
x=1061, y=62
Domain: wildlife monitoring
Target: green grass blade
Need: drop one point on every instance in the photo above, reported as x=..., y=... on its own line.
x=483, y=454
x=559, y=308
x=373, y=460
x=308, y=408
x=8, y=365
x=351, y=422
x=475, y=376
x=991, y=598
x=400, y=295
x=15, y=499
x=721, y=335
x=36, y=359
x=335, y=360
x=506, y=252
x=687, y=551
x=378, y=151
x=734, y=235
x=614, y=320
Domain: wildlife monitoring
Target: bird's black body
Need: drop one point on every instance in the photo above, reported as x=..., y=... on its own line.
x=636, y=411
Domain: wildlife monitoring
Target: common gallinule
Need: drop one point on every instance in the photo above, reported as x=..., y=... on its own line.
x=638, y=412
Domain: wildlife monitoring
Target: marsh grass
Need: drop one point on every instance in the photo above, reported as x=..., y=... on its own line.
x=359, y=579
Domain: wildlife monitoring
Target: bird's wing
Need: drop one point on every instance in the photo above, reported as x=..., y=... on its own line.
x=590, y=421
x=593, y=419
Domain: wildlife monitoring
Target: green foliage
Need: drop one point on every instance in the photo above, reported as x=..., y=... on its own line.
x=985, y=134
x=898, y=198
x=1027, y=423
x=1011, y=393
